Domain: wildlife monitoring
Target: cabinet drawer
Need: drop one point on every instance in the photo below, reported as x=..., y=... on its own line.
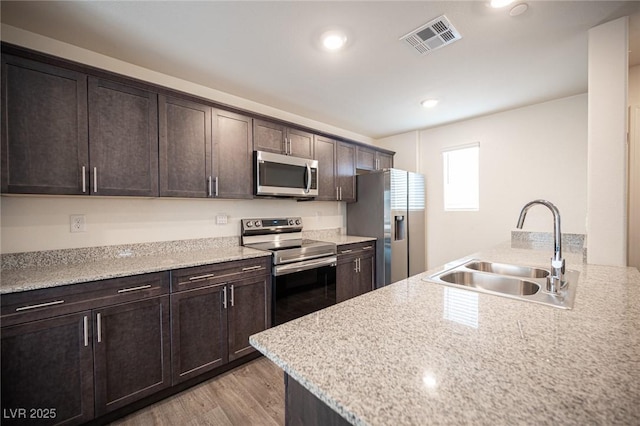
x=348, y=251
x=190, y=278
x=49, y=302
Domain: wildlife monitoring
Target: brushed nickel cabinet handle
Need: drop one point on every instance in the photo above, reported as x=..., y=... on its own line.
x=232, y=296
x=40, y=305
x=209, y=185
x=337, y=194
x=99, y=326
x=216, y=193
x=126, y=290
x=95, y=180
x=252, y=268
x=224, y=297
x=340, y=193
x=85, y=325
x=202, y=277
x=84, y=179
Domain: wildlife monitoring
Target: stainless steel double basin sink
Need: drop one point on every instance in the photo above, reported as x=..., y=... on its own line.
x=514, y=281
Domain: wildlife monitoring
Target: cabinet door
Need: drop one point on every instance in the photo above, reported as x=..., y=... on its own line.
x=364, y=283
x=248, y=313
x=132, y=352
x=366, y=159
x=123, y=139
x=346, y=278
x=300, y=143
x=233, y=155
x=198, y=331
x=346, y=171
x=384, y=161
x=268, y=136
x=44, y=128
x=325, y=153
x=185, y=148
x=48, y=366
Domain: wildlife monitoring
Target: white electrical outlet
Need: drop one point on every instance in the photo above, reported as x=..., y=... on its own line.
x=221, y=219
x=77, y=223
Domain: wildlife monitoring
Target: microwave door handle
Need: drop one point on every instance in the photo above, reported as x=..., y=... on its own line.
x=308, y=188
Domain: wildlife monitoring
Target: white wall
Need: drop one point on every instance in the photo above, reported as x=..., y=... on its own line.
x=607, y=166
x=534, y=152
x=31, y=223
x=407, y=149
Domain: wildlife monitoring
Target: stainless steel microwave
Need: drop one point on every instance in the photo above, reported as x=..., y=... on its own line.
x=280, y=175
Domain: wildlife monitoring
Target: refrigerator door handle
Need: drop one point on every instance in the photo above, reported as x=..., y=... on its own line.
x=400, y=227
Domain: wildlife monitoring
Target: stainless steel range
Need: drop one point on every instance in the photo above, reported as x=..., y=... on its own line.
x=304, y=271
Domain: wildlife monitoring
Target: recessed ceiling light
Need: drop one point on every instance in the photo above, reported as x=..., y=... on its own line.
x=333, y=40
x=497, y=4
x=429, y=103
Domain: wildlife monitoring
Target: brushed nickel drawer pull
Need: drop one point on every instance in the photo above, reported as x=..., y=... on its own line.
x=367, y=248
x=99, y=323
x=252, y=268
x=85, y=326
x=126, y=290
x=202, y=277
x=41, y=305
x=346, y=251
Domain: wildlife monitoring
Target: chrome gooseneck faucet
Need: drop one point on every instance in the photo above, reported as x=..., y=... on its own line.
x=556, y=280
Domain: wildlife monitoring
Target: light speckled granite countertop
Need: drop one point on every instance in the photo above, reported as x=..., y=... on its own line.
x=402, y=355
x=36, y=277
x=30, y=271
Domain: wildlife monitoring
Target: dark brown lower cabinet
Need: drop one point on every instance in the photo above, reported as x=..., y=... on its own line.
x=47, y=371
x=211, y=325
x=199, y=331
x=355, y=272
x=247, y=314
x=132, y=350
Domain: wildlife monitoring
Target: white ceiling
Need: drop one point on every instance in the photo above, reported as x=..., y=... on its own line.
x=266, y=51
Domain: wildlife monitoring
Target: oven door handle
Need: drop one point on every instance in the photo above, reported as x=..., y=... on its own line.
x=304, y=265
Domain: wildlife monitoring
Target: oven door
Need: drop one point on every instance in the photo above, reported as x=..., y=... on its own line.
x=300, y=289
x=284, y=175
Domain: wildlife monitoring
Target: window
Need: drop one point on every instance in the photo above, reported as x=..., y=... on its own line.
x=461, y=177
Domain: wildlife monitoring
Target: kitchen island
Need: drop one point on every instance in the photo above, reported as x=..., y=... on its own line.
x=416, y=353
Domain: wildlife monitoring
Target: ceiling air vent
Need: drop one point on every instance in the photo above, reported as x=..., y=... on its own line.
x=432, y=35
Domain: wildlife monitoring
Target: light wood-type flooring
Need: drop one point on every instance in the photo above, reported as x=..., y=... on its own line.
x=252, y=394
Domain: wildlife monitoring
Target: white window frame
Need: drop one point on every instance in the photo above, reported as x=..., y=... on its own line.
x=462, y=192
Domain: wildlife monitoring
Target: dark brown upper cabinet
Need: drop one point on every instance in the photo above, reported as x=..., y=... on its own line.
x=278, y=138
x=123, y=139
x=233, y=155
x=371, y=159
x=325, y=153
x=66, y=133
x=44, y=128
x=346, y=171
x=185, y=148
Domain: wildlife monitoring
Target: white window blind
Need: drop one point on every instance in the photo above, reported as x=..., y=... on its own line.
x=461, y=177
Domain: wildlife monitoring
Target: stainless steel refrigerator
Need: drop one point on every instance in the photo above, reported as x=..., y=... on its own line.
x=391, y=207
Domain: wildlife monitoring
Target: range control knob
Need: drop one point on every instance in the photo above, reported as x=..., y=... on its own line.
x=258, y=223
x=291, y=222
x=249, y=224
x=298, y=222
